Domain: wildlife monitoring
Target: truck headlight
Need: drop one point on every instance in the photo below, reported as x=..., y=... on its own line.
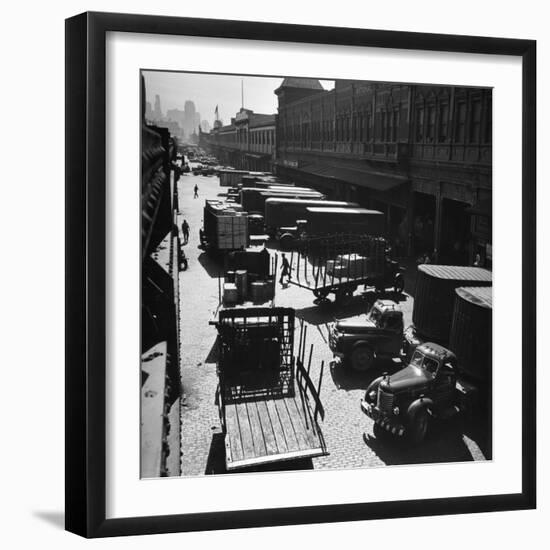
x=396, y=411
x=372, y=395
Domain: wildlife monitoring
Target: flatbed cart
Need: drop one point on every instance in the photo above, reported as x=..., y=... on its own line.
x=340, y=264
x=268, y=405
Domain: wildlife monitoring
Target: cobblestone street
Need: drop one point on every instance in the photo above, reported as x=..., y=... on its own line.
x=348, y=432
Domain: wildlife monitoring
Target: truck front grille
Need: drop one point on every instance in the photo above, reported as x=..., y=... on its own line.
x=385, y=401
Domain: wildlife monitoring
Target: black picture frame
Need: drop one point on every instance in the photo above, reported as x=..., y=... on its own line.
x=86, y=269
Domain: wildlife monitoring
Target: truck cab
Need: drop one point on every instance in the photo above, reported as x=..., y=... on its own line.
x=359, y=342
x=428, y=387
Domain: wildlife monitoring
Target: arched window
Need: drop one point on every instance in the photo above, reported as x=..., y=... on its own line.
x=460, y=128
x=443, y=126
x=475, y=121
x=419, y=122
x=430, y=129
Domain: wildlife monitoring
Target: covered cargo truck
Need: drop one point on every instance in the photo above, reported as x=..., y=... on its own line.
x=231, y=178
x=243, y=190
x=283, y=212
x=324, y=221
x=253, y=200
x=471, y=331
x=262, y=180
x=225, y=226
x=268, y=405
x=434, y=300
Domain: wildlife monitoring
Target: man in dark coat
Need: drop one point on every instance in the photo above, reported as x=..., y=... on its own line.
x=285, y=270
x=185, y=231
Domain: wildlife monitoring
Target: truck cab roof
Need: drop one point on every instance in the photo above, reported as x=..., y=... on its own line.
x=385, y=305
x=437, y=352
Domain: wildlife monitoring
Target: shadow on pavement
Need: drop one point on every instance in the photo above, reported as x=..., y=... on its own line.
x=211, y=265
x=444, y=441
x=216, y=461
x=327, y=312
x=345, y=378
x=214, y=352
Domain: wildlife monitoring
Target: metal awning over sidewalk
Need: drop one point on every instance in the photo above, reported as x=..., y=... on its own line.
x=377, y=181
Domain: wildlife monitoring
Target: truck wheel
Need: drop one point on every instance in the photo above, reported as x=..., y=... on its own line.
x=379, y=432
x=362, y=358
x=418, y=426
x=343, y=296
x=399, y=285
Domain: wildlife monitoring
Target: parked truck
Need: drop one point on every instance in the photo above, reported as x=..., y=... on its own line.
x=283, y=212
x=434, y=301
x=262, y=180
x=225, y=226
x=231, y=178
x=360, y=342
x=268, y=405
x=441, y=382
x=253, y=199
x=430, y=387
x=321, y=221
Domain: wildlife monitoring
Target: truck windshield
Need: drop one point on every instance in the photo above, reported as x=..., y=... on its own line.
x=420, y=360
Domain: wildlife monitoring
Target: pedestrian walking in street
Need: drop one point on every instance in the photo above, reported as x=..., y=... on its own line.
x=196, y=190
x=185, y=231
x=285, y=271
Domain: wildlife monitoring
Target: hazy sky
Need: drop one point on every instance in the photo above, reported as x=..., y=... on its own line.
x=209, y=90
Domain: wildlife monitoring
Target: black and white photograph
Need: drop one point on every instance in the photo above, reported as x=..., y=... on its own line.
x=316, y=274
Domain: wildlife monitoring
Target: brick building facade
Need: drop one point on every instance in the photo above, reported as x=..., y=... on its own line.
x=421, y=154
x=248, y=143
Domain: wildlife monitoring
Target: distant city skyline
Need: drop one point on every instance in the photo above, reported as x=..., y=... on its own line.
x=208, y=91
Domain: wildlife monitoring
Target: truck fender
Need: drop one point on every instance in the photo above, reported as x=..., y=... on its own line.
x=361, y=343
x=286, y=241
x=373, y=386
x=418, y=404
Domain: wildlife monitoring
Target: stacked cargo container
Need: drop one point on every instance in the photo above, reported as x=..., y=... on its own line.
x=225, y=225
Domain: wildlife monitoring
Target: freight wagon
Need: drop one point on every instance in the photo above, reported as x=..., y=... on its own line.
x=339, y=264
x=268, y=405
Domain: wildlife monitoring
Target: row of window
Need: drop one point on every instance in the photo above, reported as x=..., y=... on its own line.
x=473, y=125
x=431, y=123
x=345, y=128
x=262, y=137
x=257, y=137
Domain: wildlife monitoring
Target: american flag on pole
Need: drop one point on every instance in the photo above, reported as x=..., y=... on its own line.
x=216, y=112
